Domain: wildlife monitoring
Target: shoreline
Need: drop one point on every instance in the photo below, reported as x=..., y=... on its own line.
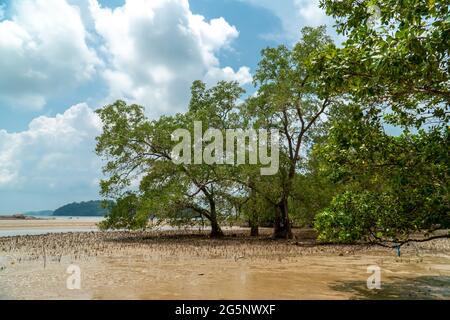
x=18, y=217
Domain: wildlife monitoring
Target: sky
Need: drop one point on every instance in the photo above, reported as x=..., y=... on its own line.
x=62, y=59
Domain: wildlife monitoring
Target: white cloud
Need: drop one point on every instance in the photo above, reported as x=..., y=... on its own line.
x=43, y=52
x=311, y=13
x=146, y=51
x=243, y=75
x=55, y=155
x=157, y=48
x=295, y=14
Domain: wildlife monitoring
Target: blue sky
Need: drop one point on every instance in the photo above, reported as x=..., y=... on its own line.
x=62, y=59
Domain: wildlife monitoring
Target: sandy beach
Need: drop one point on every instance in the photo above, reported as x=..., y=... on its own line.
x=39, y=226
x=188, y=265
x=48, y=223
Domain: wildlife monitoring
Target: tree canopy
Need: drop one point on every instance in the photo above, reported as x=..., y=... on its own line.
x=395, y=57
x=340, y=167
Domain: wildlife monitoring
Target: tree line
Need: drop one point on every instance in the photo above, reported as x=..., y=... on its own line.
x=341, y=169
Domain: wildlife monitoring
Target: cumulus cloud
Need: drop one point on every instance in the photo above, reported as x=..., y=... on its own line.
x=43, y=51
x=156, y=48
x=243, y=75
x=146, y=51
x=311, y=13
x=295, y=14
x=55, y=155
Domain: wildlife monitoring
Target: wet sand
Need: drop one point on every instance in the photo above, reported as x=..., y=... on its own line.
x=16, y=227
x=188, y=265
x=49, y=223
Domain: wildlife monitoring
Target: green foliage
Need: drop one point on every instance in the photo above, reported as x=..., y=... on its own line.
x=125, y=213
x=394, y=70
x=398, y=185
x=348, y=218
x=312, y=192
x=398, y=65
x=139, y=151
x=257, y=210
x=378, y=217
x=290, y=99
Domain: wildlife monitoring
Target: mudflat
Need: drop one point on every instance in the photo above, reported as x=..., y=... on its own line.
x=188, y=265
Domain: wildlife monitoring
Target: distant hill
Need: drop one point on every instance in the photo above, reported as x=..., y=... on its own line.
x=39, y=213
x=82, y=209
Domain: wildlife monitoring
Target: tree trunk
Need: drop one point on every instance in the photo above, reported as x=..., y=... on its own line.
x=216, y=231
x=282, y=225
x=254, y=228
